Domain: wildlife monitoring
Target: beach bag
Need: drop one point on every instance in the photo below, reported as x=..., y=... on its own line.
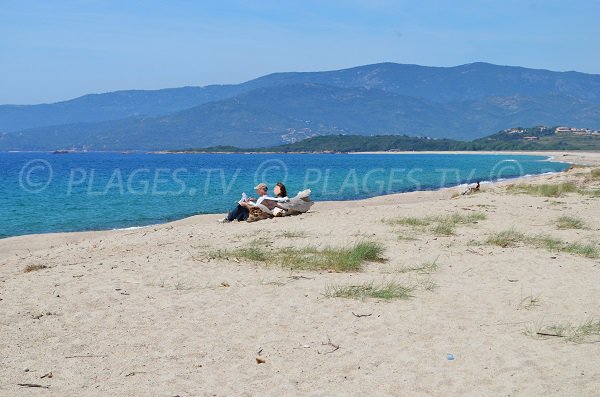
x=258, y=213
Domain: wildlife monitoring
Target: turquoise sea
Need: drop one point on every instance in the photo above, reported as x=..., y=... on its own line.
x=45, y=192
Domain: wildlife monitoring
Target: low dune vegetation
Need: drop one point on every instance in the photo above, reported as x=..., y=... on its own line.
x=558, y=189
x=545, y=189
x=338, y=259
x=386, y=290
x=513, y=238
x=586, y=332
x=506, y=238
x=443, y=225
x=424, y=268
x=570, y=222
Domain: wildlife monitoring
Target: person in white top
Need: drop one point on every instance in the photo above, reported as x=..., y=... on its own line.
x=242, y=210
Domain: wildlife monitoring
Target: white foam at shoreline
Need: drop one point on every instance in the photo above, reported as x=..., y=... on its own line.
x=137, y=227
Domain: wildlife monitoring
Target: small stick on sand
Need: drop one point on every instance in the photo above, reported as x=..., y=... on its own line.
x=135, y=373
x=362, y=315
x=33, y=385
x=546, y=334
x=299, y=277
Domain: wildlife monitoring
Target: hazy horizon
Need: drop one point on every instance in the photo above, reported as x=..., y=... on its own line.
x=62, y=50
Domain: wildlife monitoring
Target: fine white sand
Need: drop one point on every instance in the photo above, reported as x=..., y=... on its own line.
x=150, y=312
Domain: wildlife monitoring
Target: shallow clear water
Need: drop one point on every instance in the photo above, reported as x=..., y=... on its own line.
x=44, y=192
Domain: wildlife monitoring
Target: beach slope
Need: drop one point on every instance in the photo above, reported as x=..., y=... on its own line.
x=494, y=293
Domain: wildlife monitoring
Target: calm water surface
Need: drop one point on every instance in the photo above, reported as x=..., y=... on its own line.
x=45, y=192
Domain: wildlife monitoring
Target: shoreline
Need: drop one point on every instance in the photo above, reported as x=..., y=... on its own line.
x=358, y=200
x=583, y=158
x=551, y=153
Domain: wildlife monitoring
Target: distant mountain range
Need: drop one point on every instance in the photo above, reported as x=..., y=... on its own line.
x=463, y=102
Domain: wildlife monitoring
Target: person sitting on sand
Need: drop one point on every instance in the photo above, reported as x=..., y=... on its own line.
x=280, y=191
x=281, y=196
x=472, y=189
x=242, y=210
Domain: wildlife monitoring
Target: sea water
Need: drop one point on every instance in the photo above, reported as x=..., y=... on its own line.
x=46, y=192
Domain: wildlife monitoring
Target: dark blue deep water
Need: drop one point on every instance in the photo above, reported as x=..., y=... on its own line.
x=45, y=192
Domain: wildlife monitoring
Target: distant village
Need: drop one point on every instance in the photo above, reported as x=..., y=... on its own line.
x=534, y=133
x=577, y=131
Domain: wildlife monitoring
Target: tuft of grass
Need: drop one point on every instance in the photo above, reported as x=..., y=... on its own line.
x=440, y=225
x=588, y=331
x=253, y=253
x=443, y=228
x=595, y=173
x=587, y=250
x=293, y=234
x=588, y=328
x=411, y=221
x=348, y=259
x=570, y=222
x=367, y=250
x=425, y=268
x=34, y=268
x=386, y=290
x=529, y=302
x=464, y=219
x=219, y=254
x=507, y=238
x=554, y=244
x=591, y=192
x=545, y=190
x=446, y=224
x=547, y=242
x=329, y=258
x=429, y=285
x=511, y=238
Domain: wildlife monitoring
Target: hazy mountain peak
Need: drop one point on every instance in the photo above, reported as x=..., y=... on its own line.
x=465, y=101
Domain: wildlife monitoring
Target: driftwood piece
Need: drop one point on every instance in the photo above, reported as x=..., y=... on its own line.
x=362, y=315
x=548, y=334
x=33, y=385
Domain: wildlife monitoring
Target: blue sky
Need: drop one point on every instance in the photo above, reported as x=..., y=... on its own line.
x=57, y=50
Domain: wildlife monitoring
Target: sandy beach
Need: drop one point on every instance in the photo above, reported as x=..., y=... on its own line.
x=171, y=310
